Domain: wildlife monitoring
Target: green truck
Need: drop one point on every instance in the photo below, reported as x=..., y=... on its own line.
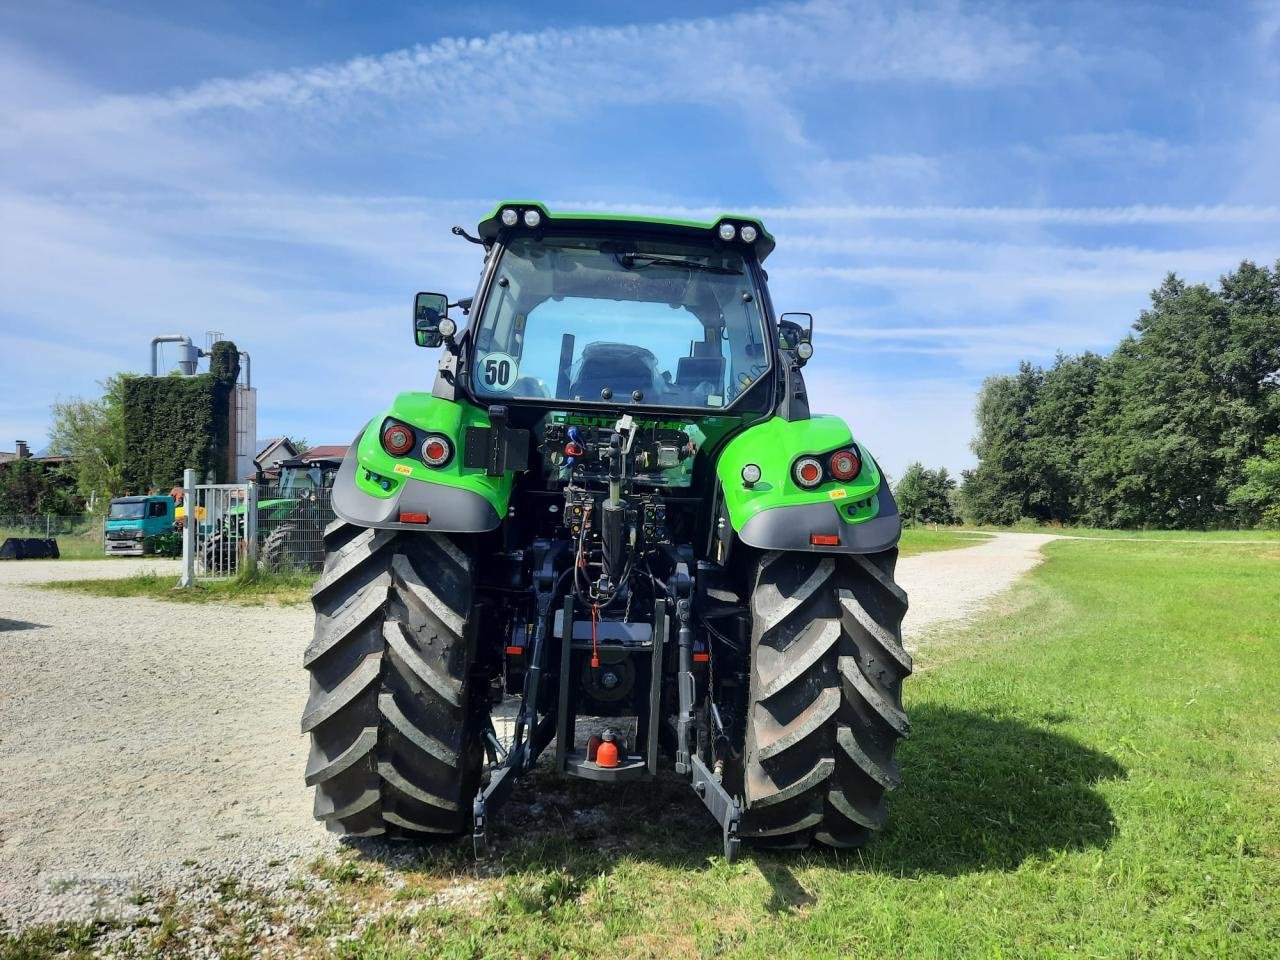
x=613, y=525
x=137, y=526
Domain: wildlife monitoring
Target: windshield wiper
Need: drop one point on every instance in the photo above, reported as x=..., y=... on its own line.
x=636, y=261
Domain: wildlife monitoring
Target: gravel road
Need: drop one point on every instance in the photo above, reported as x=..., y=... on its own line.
x=139, y=737
x=142, y=742
x=955, y=584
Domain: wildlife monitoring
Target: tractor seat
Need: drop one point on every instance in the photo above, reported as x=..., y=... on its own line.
x=621, y=367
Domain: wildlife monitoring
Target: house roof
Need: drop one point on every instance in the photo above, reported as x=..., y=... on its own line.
x=8, y=456
x=330, y=451
x=266, y=447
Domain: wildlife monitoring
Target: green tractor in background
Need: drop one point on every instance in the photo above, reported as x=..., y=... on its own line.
x=291, y=521
x=292, y=515
x=612, y=525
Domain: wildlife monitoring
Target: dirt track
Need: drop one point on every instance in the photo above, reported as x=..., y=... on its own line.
x=141, y=741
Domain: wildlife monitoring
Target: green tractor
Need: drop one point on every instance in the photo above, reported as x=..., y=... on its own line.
x=613, y=525
x=291, y=522
x=291, y=518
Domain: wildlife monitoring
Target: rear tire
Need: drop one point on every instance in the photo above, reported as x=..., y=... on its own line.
x=216, y=557
x=275, y=553
x=824, y=713
x=395, y=740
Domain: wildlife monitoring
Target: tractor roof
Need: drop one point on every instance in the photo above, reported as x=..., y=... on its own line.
x=491, y=226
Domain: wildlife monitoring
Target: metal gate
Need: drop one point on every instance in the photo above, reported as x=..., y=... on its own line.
x=291, y=524
x=219, y=529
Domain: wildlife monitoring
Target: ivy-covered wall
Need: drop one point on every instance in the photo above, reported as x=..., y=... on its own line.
x=174, y=422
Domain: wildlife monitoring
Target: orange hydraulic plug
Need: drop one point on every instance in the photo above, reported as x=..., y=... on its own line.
x=607, y=752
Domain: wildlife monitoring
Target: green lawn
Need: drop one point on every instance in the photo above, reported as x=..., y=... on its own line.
x=1094, y=772
x=255, y=589
x=1101, y=533
x=83, y=545
x=1233, y=535
x=916, y=540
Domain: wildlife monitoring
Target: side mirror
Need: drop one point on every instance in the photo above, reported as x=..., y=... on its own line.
x=430, y=310
x=797, y=337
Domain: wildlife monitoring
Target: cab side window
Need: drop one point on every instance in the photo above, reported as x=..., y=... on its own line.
x=156, y=509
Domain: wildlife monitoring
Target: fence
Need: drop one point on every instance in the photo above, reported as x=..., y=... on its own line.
x=287, y=525
x=232, y=525
x=219, y=530
x=78, y=535
x=51, y=525
x=291, y=525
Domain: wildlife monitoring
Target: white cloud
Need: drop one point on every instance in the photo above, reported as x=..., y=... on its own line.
x=1118, y=146
x=212, y=205
x=1138, y=214
x=558, y=70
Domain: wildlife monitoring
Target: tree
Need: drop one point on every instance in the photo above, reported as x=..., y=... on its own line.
x=30, y=487
x=1055, y=438
x=1185, y=402
x=1258, y=498
x=924, y=496
x=1163, y=432
x=92, y=432
x=998, y=490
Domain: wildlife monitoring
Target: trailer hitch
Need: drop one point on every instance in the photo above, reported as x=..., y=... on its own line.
x=726, y=809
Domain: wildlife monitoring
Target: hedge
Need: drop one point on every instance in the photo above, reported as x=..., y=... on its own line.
x=173, y=423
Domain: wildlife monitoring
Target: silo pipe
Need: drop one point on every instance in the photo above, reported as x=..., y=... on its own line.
x=155, y=343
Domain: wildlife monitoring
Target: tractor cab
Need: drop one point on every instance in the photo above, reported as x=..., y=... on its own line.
x=305, y=476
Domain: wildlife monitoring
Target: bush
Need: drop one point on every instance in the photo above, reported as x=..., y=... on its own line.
x=924, y=496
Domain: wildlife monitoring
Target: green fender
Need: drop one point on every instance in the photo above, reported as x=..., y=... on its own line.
x=776, y=513
x=373, y=488
x=276, y=509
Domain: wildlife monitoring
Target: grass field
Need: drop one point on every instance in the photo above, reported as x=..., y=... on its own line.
x=916, y=540
x=86, y=545
x=249, y=589
x=1193, y=535
x=1100, y=533
x=1094, y=772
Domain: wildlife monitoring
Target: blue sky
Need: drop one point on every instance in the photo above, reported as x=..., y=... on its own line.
x=953, y=187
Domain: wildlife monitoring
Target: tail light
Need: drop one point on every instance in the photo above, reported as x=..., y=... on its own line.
x=807, y=472
x=845, y=465
x=436, y=450
x=397, y=439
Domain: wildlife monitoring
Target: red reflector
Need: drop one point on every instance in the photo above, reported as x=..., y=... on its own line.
x=398, y=440
x=824, y=540
x=515, y=651
x=414, y=517
x=436, y=451
x=807, y=472
x=844, y=465
x=701, y=657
